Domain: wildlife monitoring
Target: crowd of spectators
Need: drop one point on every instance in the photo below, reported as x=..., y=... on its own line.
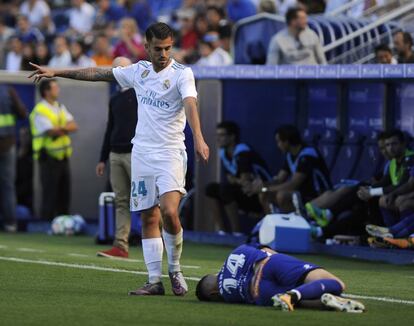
x=80, y=33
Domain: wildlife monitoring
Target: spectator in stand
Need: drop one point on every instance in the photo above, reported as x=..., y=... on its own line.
x=188, y=38
x=131, y=43
x=42, y=55
x=28, y=56
x=211, y=52
x=5, y=33
x=26, y=33
x=297, y=44
x=15, y=55
x=61, y=57
x=266, y=6
x=107, y=13
x=81, y=17
x=38, y=13
x=403, y=44
x=142, y=13
x=282, y=6
x=216, y=19
x=79, y=59
x=239, y=9
x=383, y=55
x=201, y=25
x=102, y=51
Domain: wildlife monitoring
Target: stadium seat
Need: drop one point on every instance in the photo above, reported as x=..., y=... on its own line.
x=252, y=38
x=370, y=161
x=348, y=157
x=329, y=146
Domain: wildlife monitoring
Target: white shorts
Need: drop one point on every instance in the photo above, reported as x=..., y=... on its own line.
x=154, y=174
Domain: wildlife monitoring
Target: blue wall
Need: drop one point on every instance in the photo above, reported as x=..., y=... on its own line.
x=259, y=107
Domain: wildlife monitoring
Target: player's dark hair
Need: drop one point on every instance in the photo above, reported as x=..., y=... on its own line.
x=383, y=47
x=231, y=128
x=292, y=14
x=160, y=31
x=396, y=133
x=45, y=86
x=200, y=290
x=290, y=134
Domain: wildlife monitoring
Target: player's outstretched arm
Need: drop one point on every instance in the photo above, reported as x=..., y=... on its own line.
x=200, y=146
x=88, y=74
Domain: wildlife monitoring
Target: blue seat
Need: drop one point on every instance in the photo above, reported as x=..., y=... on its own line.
x=252, y=38
x=371, y=162
x=329, y=146
x=348, y=157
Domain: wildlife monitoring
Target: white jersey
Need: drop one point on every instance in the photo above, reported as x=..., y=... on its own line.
x=160, y=98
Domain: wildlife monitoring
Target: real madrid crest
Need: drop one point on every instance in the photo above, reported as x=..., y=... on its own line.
x=145, y=73
x=166, y=84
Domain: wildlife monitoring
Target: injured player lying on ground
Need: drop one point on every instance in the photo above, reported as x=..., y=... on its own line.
x=264, y=277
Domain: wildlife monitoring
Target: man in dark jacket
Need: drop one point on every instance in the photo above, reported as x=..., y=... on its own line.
x=117, y=147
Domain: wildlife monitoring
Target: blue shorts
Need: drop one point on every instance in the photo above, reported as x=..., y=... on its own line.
x=280, y=274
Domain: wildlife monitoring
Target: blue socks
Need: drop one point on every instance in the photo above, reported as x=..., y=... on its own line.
x=314, y=290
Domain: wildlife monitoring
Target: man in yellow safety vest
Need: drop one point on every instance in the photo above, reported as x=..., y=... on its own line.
x=51, y=123
x=11, y=108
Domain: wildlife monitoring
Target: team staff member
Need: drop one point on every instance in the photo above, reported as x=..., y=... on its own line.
x=11, y=107
x=166, y=95
x=51, y=123
x=304, y=171
x=117, y=147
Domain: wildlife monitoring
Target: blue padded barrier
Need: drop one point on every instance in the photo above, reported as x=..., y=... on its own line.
x=348, y=157
x=338, y=72
x=329, y=146
x=371, y=162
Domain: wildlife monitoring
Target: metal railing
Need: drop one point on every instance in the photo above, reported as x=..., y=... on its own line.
x=401, y=11
x=344, y=8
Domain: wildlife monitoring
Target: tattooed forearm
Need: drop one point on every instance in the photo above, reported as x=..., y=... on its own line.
x=90, y=74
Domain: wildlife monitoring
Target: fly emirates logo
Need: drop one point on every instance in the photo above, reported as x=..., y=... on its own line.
x=150, y=98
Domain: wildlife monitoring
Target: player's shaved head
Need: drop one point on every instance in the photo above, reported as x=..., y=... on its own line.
x=121, y=62
x=207, y=289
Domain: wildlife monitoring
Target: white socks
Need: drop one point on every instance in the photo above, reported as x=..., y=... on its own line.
x=174, y=247
x=153, y=249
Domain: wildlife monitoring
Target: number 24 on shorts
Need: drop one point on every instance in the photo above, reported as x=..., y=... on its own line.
x=139, y=190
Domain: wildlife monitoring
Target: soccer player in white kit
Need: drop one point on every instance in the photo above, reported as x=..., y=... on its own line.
x=166, y=96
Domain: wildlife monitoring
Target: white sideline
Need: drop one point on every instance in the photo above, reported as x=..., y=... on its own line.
x=90, y=267
x=383, y=299
x=116, y=270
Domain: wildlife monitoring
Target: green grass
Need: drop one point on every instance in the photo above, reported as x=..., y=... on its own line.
x=33, y=294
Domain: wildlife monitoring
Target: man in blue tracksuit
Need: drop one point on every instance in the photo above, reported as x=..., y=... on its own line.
x=304, y=171
x=240, y=164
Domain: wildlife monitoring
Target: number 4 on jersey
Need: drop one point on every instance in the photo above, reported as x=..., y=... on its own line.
x=141, y=188
x=234, y=262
